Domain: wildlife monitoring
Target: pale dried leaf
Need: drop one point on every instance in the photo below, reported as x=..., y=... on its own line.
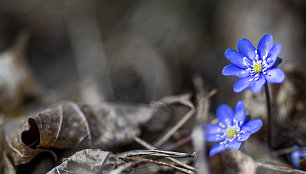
x=88, y=161
x=16, y=78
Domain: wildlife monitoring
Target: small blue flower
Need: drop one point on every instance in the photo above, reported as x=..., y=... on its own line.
x=232, y=129
x=254, y=67
x=296, y=156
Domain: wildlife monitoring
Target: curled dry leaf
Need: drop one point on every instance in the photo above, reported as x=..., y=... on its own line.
x=232, y=162
x=18, y=151
x=69, y=125
x=88, y=161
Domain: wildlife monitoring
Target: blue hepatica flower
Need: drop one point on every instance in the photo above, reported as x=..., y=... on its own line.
x=254, y=67
x=296, y=156
x=232, y=129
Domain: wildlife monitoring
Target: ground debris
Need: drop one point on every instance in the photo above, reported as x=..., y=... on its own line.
x=232, y=162
x=88, y=161
x=92, y=161
x=69, y=125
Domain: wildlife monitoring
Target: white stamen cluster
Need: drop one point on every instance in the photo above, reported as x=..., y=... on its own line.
x=230, y=132
x=257, y=66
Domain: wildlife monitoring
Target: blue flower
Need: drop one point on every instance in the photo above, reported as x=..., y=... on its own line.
x=296, y=156
x=254, y=67
x=232, y=129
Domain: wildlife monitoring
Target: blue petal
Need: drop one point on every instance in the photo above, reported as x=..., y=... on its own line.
x=265, y=44
x=245, y=47
x=211, y=131
x=233, y=70
x=252, y=125
x=210, y=128
x=234, y=145
x=275, y=75
x=295, y=159
x=236, y=58
x=239, y=112
x=244, y=136
x=276, y=49
x=217, y=148
x=213, y=137
x=256, y=85
x=225, y=115
x=242, y=84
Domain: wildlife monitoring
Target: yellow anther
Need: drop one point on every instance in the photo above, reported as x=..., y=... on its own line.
x=257, y=67
x=231, y=132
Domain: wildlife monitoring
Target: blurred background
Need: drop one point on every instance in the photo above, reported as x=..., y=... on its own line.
x=136, y=51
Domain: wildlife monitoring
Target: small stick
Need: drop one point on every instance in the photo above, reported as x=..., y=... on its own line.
x=148, y=146
x=269, y=115
x=198, y=136
x=287, y=151
x=157, y=153
x=175, y=128
x=159, y=162
x=279, y=168
x=183, y=120
x=179, y=143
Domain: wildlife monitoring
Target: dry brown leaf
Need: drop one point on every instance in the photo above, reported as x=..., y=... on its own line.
x=88, y=161
x=69, y=125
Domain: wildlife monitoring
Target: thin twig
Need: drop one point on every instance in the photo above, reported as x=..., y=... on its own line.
x=183, y=120
x=148, y=146
x=159, y=163
x=123, y=167
x=198, y=135
x=287, y=151
x=175, y=128
x=179, y=143
x=279, y=168
x=157, y=153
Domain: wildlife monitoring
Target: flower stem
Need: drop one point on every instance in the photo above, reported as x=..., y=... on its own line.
x=269, y=114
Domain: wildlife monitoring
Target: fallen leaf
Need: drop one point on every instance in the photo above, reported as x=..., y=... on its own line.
x=88, y=161
x=69, y=125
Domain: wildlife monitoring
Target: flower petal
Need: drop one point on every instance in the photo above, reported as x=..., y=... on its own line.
x=233, y=70
x=256, y=85
x=252, y=125
x=239, y=112
x=225, y=115
x=210, y=128
x=246, y=48
x=275, y=75
x=236, y=58
x=217, y=148
x=234, y=145
x=265, y=44
x=242, y=84
x=244, y=136
x=276, y=49
x=213, y=137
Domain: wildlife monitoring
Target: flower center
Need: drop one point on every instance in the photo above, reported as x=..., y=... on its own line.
x=231, y=132
x=257, y=67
